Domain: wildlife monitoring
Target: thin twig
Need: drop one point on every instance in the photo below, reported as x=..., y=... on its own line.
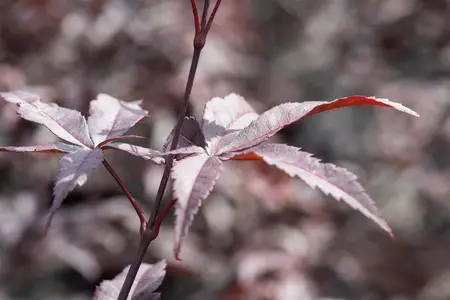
x=163, y=213
x=211, y=18
x=146, y=238
x=151, y=231
x=133, y=202
x=196, y=17
x=176, y=136
x=205, y=15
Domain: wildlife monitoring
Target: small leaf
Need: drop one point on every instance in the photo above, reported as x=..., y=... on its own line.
x=74, y=169
x=148, y=279
x=67, y=124
x=57, y=147
x=223, y=116
x=285, y=114
x=194, y=178
x=332, y=180
x=191, y=135
x=110, y=118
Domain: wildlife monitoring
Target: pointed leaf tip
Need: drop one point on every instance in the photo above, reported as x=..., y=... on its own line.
x=66, y=124
x=194, y=178
x=74, y=168
x=57, y=147
x=332, y=180
x=278, y=117
x=110, y=118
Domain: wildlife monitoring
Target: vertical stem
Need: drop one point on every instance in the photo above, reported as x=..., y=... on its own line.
x=154, y=222
x=146, y=238
x=176, y=136
x=151, y=231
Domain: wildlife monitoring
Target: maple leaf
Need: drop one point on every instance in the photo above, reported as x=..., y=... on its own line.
x=233, y=130
x=148, y=279
x=85, y=141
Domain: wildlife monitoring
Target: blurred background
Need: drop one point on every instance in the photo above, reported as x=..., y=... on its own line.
x=261, y=235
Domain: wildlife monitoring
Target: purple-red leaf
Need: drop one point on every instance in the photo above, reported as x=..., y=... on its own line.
x=110, y=118
x=74, y=168
x=275, y=119
x=332, y=180
x=67, y=124
x=223, y=116
x=191, y=135
x=194, y=178
x=148, y=279
x=57, y=147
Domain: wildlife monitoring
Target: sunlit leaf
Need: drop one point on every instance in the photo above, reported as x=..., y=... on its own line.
x=74, y=169
x=67, y=124
x=223, y=116
x=332, y=180
x=194, y=178
x=275, y=119
x=110, y=118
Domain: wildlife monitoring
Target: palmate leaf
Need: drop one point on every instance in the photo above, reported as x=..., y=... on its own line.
x=148, y=279
x=233, y=130
x=110, y=119
x=275, y=119
x=224, y=116
x=332, y=180
x=194, y=177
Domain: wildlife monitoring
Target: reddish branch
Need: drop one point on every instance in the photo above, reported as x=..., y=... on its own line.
x=153, y=225
x=136, y=206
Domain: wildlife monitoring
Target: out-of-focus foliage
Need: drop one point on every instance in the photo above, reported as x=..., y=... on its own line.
x=261, y=234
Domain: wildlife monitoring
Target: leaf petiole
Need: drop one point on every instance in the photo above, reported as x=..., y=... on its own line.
x=133, y=202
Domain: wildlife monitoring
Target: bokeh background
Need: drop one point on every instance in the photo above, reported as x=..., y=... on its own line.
x=260, y=235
